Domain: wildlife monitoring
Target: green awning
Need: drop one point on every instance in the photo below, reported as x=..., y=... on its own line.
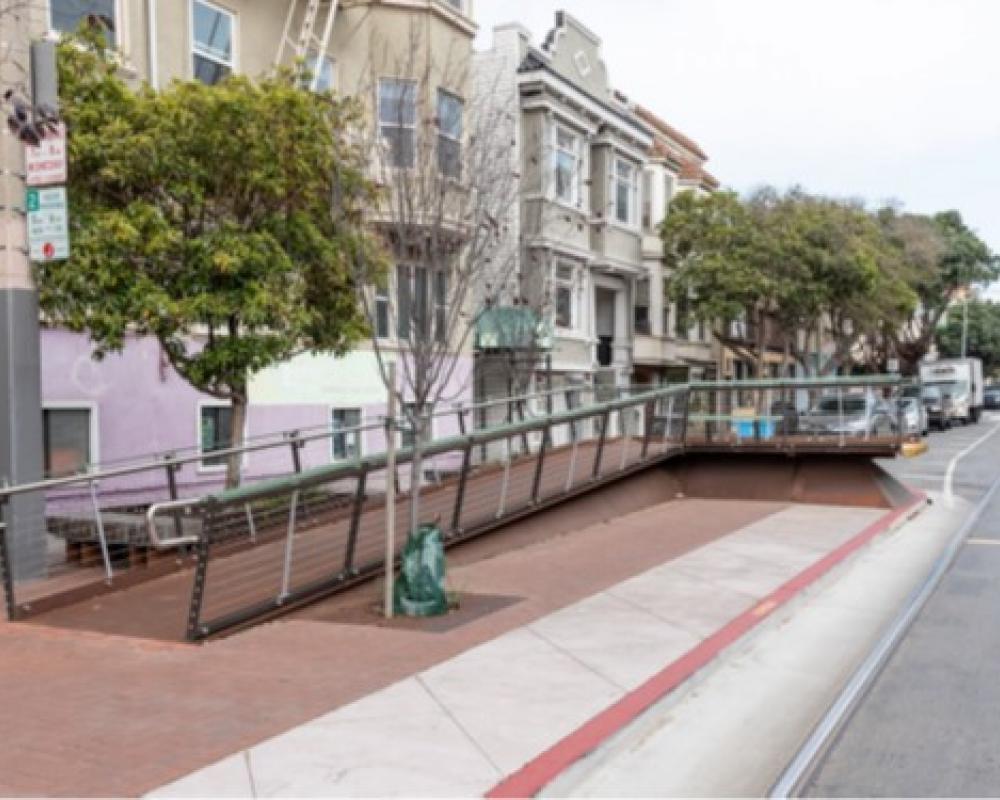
x=512, y=328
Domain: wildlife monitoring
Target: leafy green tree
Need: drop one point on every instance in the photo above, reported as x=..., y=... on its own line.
x=945, y=256
x=224, y=220
x=983, y=334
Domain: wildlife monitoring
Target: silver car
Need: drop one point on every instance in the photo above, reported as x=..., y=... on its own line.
x=850, y=415
x=913, y=416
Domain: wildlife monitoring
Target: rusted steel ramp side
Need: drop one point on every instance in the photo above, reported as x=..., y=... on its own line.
x=158, y=608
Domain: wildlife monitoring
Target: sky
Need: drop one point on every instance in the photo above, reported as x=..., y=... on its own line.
x=878, y=99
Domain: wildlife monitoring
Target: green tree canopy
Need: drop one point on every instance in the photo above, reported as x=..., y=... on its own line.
x=983, y=334
x=223, y=220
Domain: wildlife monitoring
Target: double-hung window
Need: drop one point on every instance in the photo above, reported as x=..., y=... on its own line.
x=382, y=312
x=422, y=302
x=397, y=116
x=346, y=439
x=215, y=423
x=66, y=434
x=567, y=166
x=565, y=297
x=449, y=115
x=65, y=16
x=211, y=41
x=625, y=191
x=642, y=318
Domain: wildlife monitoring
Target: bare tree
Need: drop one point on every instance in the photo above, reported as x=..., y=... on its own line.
x=442, y=151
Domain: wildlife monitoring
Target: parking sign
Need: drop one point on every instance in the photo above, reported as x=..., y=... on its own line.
x=48, y=224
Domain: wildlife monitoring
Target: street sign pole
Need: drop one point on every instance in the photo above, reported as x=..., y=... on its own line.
x=21, y=457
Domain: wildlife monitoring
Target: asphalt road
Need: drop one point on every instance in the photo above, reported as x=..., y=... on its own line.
x=930, y=723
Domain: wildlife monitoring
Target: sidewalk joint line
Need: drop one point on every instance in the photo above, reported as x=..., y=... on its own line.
x=253, y=784
x=458, y=724
x=570, y=654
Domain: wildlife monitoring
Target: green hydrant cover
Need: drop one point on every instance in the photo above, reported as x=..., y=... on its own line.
x=419, y=590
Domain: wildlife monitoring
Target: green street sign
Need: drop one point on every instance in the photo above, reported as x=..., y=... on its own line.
x=48, y=224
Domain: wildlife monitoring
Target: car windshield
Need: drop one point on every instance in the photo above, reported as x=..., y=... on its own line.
x=906, y=403
x=932, y=393
x=952, y=388
x=834, y=405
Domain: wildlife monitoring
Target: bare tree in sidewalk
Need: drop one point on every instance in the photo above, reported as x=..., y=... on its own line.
x=441, y=150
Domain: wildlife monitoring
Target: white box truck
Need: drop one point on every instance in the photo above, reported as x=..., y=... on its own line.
x=960, y=381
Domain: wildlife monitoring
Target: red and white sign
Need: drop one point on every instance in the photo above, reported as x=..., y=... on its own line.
x=46, y=164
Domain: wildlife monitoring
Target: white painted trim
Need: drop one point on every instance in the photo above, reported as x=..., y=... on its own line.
x=234, y=17
x=561, y=86
x=362, y=418
x=152, y=50
x=94, y=424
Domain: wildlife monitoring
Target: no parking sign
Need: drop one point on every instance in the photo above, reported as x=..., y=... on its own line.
x=48, y=224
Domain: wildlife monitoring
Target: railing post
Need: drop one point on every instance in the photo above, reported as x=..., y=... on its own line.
x=171, y=469
x=251, y=526
x=600, y=445
x=501, y=507
x=6, y=569
x=539, y=465
x=456, y=517
x=524, y=434
x=623, y=417
x=352, y=533
x=101, y=538
x=286, y=571
x=575, y=436
x=649, y=413
x=840, y=414
x=460, y=413
x=194, y=627
x=293, y=441
x=684, y=418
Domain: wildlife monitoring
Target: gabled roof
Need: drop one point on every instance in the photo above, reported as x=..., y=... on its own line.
x=668, y=130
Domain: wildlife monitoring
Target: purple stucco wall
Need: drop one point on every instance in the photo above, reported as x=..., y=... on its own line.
x=144, y=407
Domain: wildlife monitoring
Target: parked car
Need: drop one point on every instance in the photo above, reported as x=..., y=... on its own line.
x=913, y=415
x=938, y=406
x=991, y=398
x=850, y=415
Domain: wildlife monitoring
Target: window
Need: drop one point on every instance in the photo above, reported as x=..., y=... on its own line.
x=565, y=297
x=681, y=321
x=665, y=319
x=642, y=320
x=346, y=445
x=65, y=16
x=668, y=191
x=382, y=312
x=421, y=305
x=647, y=200
x=449, y=114
x=625, y=192
x=66, y=434
x=567, y=163
x=320, y=75
x=397, y=114
x=212, y=41
x=440, y=306
x=215, y=423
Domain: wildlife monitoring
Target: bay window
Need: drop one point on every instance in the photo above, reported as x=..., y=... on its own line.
x=626, y=190
x=567, y=166
x=449, y=113
x=397, y=115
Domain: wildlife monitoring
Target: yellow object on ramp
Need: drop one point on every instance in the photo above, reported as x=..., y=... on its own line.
x=913, y=449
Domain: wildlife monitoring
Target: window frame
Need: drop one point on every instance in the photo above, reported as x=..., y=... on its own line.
x=647, y=330
x=412, y=127
x=632, y=192
x=443, y=93
x=576, y=195
x=382, y=299
x=234, y=41
x=570, y=284
x=93, y=427
x=359, y=434
x=202, y=467
x=436, y=323
x=312, y=59
x=116, y=37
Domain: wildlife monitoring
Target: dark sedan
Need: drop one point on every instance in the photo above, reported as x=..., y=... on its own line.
x=991, y=397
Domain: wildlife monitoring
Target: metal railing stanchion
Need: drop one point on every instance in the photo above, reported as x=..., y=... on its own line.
x=251, y=526
x=286, y=571
x=101, y=534
x=571, y=473
x=501, y=507
x=623, y=422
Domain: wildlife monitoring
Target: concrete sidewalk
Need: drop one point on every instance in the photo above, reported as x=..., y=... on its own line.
x=507, y=706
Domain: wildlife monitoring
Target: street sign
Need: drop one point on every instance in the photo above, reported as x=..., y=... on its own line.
x=45, y=165
x=48, y=224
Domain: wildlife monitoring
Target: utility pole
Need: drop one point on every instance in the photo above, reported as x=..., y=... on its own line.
x=20, y=371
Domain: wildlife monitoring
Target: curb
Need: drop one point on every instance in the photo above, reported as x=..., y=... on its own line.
x=534, y=776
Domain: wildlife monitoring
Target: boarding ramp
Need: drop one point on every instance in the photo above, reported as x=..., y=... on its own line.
x=228, y=558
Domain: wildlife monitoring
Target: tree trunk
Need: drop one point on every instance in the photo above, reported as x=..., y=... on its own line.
x=416, y=469
x=237, y=424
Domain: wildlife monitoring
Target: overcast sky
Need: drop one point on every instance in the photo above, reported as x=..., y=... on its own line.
x=869, y=98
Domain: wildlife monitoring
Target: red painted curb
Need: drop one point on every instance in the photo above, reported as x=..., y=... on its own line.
x=538, y=773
